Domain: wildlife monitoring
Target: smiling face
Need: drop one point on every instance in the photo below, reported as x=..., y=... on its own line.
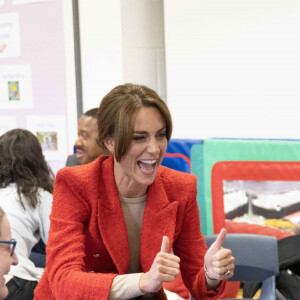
x=5, y=259
x=138, y=167
x=87, y=148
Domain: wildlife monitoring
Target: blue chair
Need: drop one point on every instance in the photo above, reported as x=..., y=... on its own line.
x=256, y=259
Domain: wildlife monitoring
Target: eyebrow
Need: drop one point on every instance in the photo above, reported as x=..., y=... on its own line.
x=144, y=132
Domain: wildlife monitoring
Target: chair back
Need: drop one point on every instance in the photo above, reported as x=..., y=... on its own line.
x=256, y=256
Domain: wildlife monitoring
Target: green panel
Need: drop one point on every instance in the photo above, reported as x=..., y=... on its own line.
x=197, y=169
x=204, y=156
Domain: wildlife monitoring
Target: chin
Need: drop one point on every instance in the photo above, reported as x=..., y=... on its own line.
x=148, y=180
x=82, y=161
x=3, y=291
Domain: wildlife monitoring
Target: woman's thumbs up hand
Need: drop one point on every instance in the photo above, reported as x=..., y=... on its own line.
x=218, y=261
x=165, y=268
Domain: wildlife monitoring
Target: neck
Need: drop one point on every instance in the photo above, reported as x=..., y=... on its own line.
x=128, y=189
x=126, y=186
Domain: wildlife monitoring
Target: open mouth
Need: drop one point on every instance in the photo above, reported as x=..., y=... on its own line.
x=147, y=166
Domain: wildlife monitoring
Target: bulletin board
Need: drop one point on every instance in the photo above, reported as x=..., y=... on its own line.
x=33, y=74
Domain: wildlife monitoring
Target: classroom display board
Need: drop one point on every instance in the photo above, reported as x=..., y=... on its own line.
x=33, y=92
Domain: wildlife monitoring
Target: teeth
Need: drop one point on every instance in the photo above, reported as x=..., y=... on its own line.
x=150, y=162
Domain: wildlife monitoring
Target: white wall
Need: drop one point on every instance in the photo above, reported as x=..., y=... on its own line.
x=101, y=49
x=121, y=41
x=233, y=67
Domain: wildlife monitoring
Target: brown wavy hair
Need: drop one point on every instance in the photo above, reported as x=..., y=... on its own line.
x=117, y=112
x=22, y=162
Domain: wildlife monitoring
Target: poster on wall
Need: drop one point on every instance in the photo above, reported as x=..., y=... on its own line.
x=27, y=1
x=51, y=133
x=9, y=35
x=7, y=123
x=15, y=86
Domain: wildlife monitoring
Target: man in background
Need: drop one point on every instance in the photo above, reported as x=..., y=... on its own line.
x=87, y=149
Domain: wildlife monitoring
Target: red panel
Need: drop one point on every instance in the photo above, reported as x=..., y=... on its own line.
x=246, y=170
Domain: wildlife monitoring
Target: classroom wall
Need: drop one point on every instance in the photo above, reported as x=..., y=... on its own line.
x=101, y=49
x=44, y=104
x=226, y=68
x=233, y=67
x=121, y=41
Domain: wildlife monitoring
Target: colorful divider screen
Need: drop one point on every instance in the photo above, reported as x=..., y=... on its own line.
x=270, y=191
x=204, y=156
x=178, y=155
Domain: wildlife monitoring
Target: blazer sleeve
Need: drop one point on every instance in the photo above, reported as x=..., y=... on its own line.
x=66, y=248
x=190, y=247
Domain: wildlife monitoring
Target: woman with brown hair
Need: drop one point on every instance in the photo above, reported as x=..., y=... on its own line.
x=26, y=185
x=115, y=220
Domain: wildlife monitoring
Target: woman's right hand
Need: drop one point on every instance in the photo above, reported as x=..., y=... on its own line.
x=165, y=268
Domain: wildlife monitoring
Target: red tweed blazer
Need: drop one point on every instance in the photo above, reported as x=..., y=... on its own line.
x=88, y=245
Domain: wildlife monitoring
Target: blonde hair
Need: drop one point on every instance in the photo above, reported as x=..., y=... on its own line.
x=117, y=111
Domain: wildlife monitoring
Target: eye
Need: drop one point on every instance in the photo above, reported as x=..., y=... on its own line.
x=138, y=138
x=162, y=134
x=84, y=135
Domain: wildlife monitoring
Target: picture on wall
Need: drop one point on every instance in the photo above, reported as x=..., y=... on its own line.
x=13, y=90
x=9, y=35
x=48, y=140
x=16, y=86
x=51, y=133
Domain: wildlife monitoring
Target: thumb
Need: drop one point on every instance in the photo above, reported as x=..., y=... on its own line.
x=220, y=238
x=165, y=244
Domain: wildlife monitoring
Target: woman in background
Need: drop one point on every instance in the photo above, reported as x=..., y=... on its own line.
x=26, y=185
x=7, y=255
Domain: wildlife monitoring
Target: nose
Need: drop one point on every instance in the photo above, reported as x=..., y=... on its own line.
x=153, y=146
x=78, y=142
x=15, y=260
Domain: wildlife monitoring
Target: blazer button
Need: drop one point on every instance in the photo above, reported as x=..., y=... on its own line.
x=96, y=255
x=92, y=271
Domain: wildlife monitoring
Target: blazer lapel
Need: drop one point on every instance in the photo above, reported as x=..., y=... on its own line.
x=159, y=220
x=111, y=220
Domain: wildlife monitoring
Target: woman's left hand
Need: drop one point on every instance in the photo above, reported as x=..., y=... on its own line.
x=219, y=261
